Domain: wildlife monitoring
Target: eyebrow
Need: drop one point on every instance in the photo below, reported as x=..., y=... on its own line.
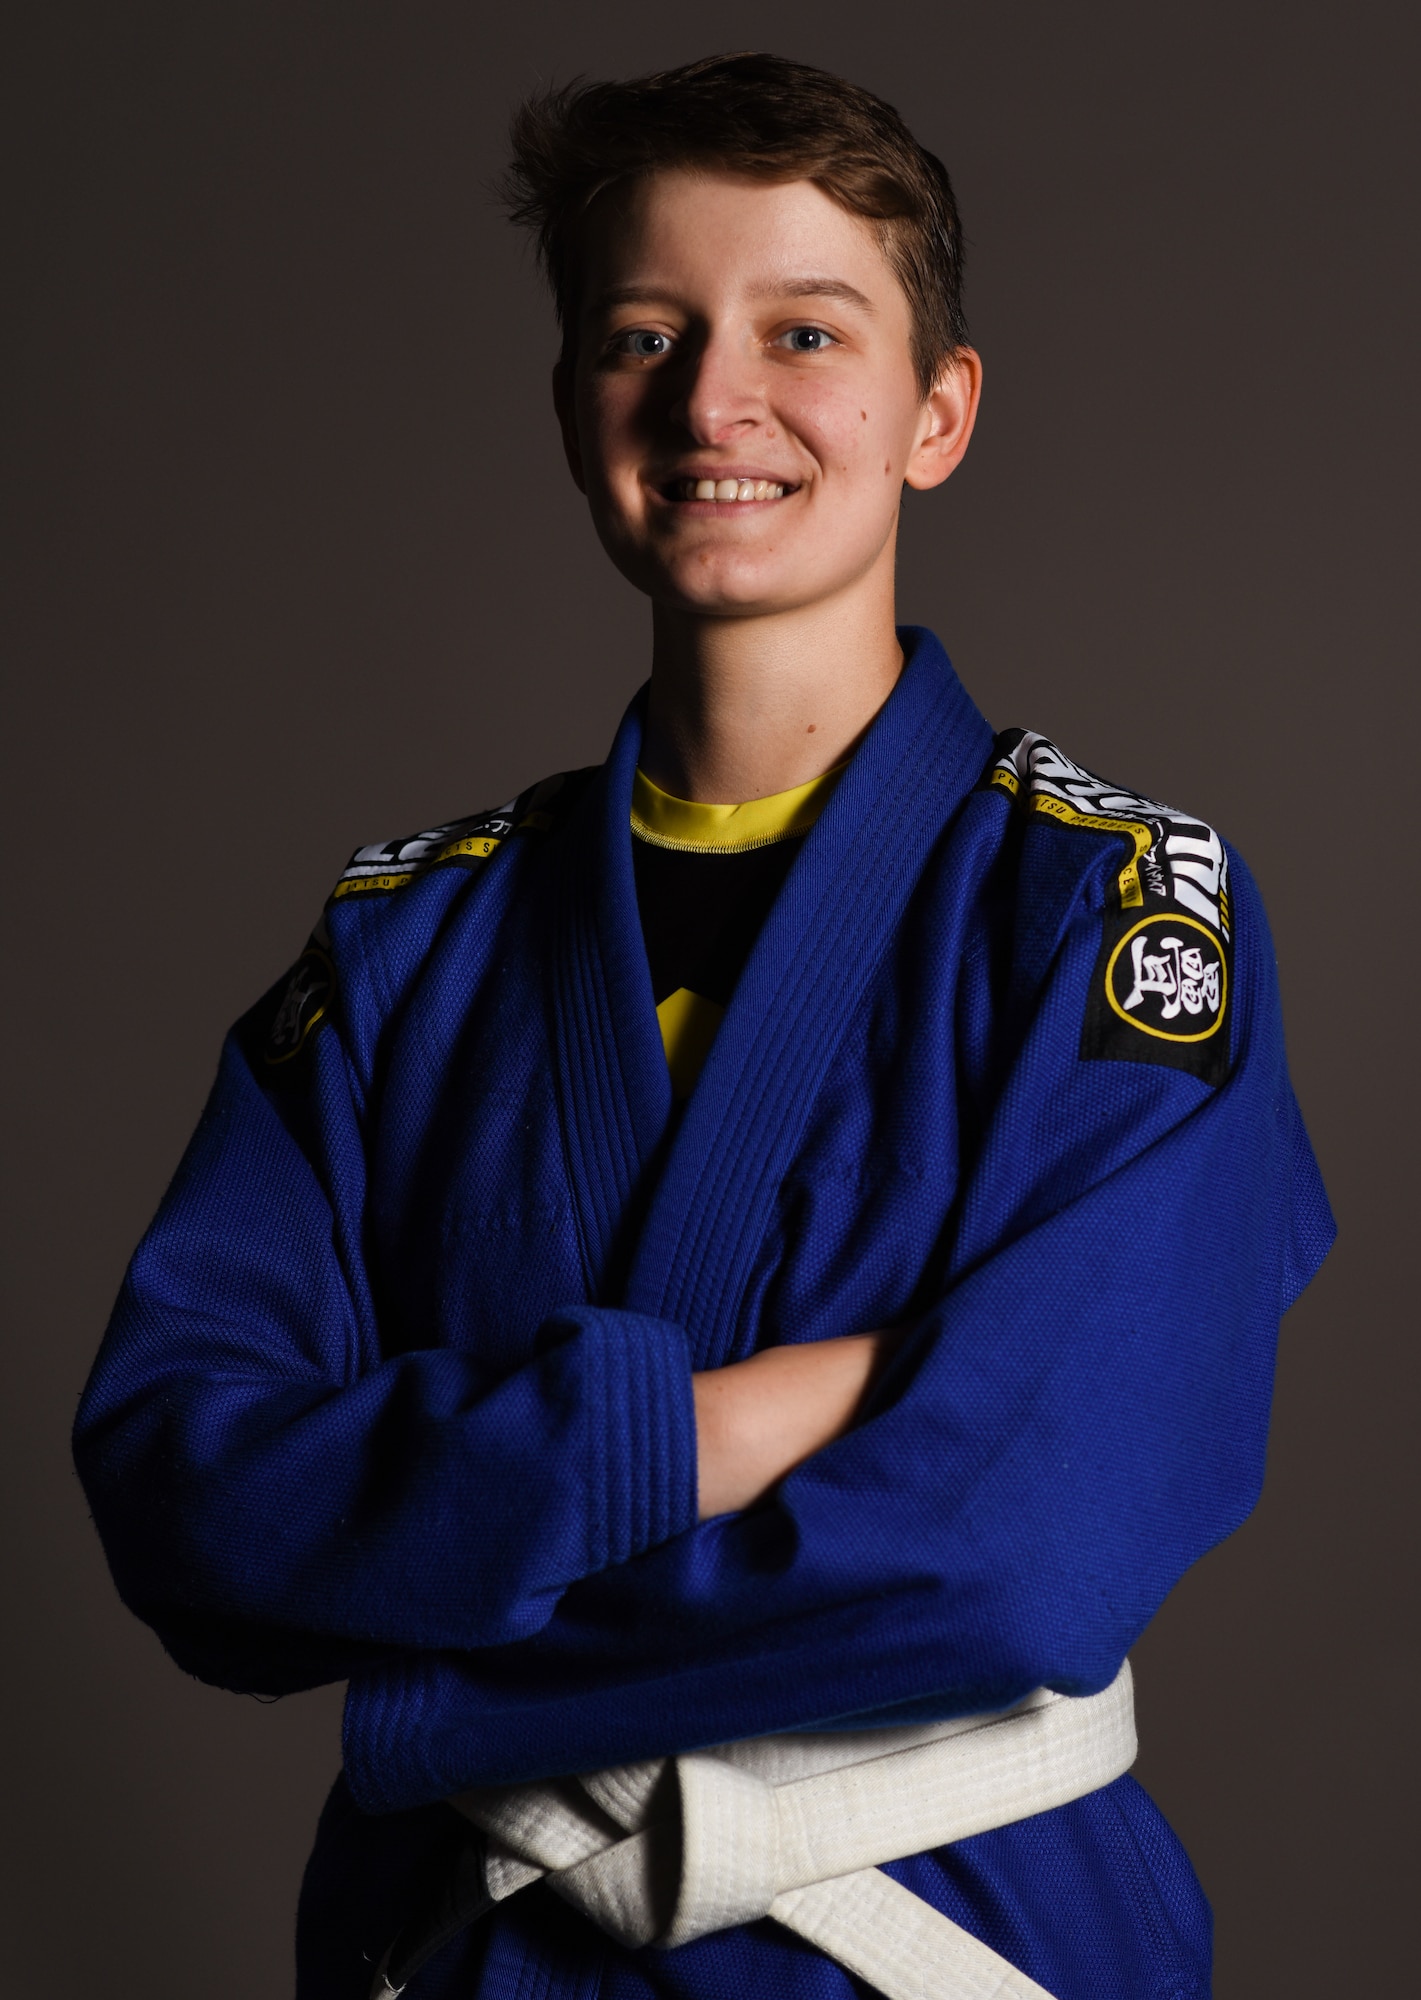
x=818, y=288
x=781, y=288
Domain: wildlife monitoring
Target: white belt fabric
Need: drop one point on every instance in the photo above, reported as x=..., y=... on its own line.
x=794, y=1827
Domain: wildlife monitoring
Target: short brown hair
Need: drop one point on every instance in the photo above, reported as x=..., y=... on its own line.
x=758, y=115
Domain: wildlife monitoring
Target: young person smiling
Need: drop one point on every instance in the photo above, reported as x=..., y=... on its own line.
x=752, y=337
x=772, y=1243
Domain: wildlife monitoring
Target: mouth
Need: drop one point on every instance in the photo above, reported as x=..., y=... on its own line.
x=728, y=491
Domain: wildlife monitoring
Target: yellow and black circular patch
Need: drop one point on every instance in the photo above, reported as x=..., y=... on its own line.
x=1167, y=977
x=302, y=1006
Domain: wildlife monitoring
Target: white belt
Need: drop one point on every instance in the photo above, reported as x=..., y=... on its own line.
x=794, y=1827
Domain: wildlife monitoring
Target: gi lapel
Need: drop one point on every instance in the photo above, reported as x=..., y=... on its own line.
x=800, y=987
x=613, y=1082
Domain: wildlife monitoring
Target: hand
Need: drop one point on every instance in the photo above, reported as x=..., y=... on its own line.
x=757, y=1419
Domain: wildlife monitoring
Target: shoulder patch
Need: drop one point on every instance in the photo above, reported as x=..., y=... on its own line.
x=463, y=843
x=303, y=1005
x=1160, y=989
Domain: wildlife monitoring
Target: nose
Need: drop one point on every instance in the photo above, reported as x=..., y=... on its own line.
x=721, y=391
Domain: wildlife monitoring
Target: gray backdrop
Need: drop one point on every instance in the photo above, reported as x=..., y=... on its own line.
x=294, y=565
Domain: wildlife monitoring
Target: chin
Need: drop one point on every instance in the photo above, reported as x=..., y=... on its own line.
x=734, y=587
x=719, y=588
x=713, y=579
x=729, y=601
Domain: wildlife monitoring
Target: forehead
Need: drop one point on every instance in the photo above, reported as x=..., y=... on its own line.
x=700, y=232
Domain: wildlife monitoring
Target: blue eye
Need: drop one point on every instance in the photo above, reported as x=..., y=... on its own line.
x=644, y=344
x=808, y=339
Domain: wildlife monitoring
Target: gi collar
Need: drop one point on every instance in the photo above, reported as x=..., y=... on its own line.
x=672, y=1217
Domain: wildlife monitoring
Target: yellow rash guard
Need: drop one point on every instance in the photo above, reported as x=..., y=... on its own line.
x=706, y=876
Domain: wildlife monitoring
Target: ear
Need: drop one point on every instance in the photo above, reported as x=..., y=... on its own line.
x=945, y=426
x=563, y=403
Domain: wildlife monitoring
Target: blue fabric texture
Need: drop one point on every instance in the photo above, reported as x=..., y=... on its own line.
x=398, y=1387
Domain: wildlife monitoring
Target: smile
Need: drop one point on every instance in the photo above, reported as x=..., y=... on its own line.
x=738, y=490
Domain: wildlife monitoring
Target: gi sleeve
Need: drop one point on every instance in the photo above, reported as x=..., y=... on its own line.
x=280, y=1502
x=1079, y=1416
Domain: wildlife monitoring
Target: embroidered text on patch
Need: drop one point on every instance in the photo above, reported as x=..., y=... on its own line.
x=466, y=843
x=1167, y=977
x=1160, y=988
x=393, y=864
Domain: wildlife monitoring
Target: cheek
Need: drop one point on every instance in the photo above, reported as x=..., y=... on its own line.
x=860, y=437
x=832, y=427
x=607, y=427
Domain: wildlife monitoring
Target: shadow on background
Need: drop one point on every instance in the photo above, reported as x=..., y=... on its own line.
x=295, y=565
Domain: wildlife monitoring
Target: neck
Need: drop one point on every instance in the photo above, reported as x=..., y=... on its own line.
x=741, y=708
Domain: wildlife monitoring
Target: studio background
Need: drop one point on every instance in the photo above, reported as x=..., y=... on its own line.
x=293, y=564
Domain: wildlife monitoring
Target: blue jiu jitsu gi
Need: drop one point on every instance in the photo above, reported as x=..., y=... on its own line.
x=399, y=1384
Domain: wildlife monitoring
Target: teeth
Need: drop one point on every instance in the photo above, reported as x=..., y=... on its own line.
x=731, y=489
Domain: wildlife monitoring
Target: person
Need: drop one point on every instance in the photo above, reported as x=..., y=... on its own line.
x=722, y=1294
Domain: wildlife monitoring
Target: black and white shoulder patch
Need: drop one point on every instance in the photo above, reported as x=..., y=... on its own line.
x=463, y=843
x=1160, y=990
